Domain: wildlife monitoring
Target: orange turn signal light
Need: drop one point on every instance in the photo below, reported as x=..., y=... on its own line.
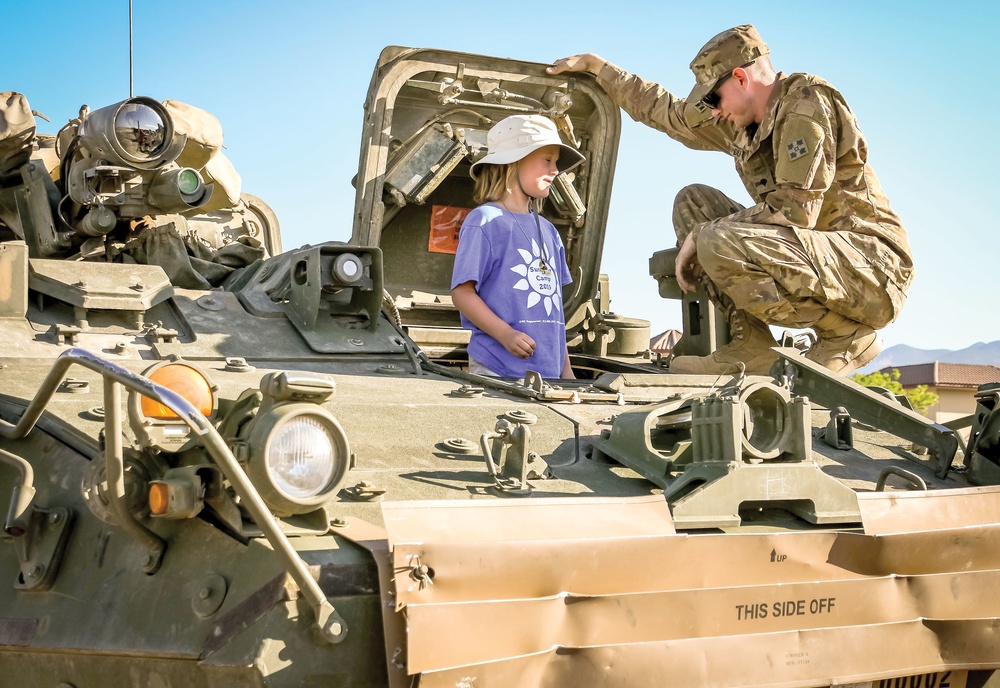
x=185, y=381
x=159, y=498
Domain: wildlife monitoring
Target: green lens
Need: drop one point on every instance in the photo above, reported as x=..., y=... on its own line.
x=188, y=181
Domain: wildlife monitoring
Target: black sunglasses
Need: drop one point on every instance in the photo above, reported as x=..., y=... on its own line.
x=713, y=98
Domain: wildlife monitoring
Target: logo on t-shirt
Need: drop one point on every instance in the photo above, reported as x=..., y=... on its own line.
x=539, y=278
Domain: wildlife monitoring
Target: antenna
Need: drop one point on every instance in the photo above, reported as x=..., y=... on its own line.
x=129, y=48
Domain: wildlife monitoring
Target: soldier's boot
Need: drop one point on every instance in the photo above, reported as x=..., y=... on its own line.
x=751, y=345
x=843, y=345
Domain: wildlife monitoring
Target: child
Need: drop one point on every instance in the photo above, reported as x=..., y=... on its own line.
x=510, y=266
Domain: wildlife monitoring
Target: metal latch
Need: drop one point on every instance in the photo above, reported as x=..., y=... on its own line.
x=509, y=461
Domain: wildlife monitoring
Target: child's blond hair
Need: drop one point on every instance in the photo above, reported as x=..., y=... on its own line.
x=494, y=182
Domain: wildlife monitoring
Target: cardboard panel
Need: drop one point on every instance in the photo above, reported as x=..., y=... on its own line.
x=586, y=591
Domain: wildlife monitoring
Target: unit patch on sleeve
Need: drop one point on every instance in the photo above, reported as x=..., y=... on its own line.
x=797, y=149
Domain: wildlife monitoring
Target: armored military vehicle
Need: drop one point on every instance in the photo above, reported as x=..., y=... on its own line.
x=228, y=465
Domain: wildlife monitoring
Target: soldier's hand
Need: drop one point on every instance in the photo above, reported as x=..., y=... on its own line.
x=587, y=62
x=686, y=266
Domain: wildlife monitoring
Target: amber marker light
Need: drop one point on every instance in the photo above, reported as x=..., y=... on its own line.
x=155, y=425
x=159, y=498
x=185, y=381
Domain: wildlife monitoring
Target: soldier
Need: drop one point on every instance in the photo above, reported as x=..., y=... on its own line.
x=821, y=248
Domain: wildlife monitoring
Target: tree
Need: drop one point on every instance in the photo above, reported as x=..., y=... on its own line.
x=920, y=399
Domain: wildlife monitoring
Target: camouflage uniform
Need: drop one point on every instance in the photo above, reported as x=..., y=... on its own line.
x=821, y=236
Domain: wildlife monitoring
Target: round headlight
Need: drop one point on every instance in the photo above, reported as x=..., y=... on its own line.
x=301, y=456
x=140, y=130
x=298, y=456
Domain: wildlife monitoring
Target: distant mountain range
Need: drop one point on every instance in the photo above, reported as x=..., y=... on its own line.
x=902, y=355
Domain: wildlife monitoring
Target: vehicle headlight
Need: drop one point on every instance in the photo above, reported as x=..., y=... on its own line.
x=297, y=455
x=301, y=456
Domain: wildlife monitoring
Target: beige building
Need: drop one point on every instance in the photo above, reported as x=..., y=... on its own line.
x=954, y=383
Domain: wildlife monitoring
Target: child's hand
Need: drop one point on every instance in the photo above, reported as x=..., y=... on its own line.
x=518, y=343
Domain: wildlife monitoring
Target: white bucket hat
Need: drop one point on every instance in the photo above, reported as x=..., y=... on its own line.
x=514, y=137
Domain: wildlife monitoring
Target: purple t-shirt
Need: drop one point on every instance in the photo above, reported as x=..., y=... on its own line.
x=521, y=281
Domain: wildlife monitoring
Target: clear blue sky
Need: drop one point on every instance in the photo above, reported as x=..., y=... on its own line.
x=288, y=81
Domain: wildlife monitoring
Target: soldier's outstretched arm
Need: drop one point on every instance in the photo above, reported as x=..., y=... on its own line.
x=648, y=102
x=586, y=62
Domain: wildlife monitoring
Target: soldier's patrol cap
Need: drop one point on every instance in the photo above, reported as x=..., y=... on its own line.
x=732, y=48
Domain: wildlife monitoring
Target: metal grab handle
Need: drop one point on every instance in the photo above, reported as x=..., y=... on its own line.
x=331, y=625
x=510, y=441
x=19, y=511
x=916, y=482
x=115, y=467
x=484, y=439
